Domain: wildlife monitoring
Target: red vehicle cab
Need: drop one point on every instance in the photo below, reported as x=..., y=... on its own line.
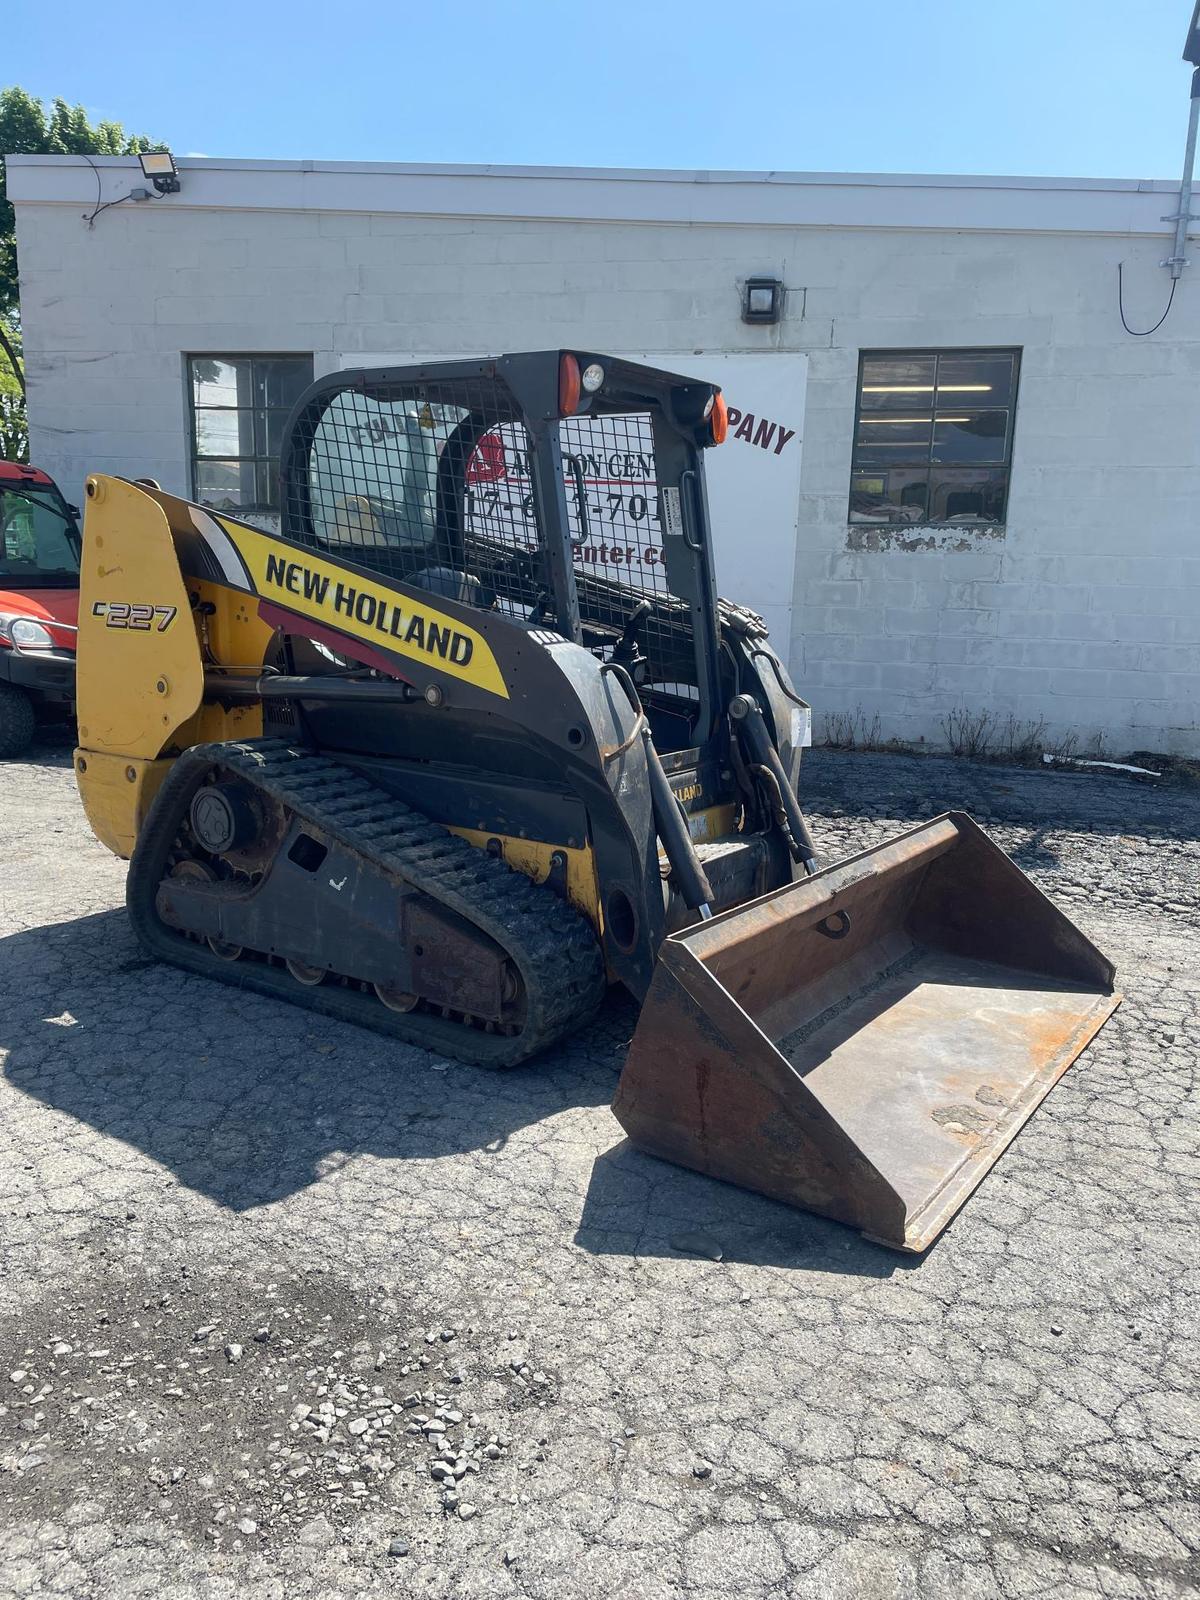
x=39, y=603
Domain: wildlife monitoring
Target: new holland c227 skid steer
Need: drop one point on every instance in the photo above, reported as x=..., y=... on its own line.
x=473, y=737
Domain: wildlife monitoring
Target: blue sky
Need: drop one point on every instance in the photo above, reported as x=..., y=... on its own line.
x=1091, y=88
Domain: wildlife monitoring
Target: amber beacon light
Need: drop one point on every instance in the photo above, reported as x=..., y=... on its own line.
x=718, y=419
x=568, y=385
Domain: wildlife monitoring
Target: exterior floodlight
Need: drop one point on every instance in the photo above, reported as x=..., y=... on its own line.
x=159, y=166
x=762, y=298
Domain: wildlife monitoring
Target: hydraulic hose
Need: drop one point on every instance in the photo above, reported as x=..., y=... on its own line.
x=672, y=830
x=748, y=720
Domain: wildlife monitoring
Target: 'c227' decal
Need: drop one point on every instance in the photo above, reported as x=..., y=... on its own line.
x=307, y=583
x=138, y=618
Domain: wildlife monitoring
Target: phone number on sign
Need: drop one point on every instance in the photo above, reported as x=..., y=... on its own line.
x=636, y=507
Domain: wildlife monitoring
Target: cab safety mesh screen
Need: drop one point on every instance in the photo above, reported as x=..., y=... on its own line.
x=432, y=484
x=615, y=524
x=389, y=479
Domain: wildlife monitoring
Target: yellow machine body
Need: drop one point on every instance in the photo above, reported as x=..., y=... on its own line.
x=145, y=638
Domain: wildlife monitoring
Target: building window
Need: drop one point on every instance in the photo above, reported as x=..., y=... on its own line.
x=933, y=436
x=239, y=405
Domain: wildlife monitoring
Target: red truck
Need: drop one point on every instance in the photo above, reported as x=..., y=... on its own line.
x=39, y=604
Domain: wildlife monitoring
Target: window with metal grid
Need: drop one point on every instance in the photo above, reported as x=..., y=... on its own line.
x=238, y=407
x=614, y=527
x=373, y=475
x=504, y=543
x=613, y=501
x=613, y=515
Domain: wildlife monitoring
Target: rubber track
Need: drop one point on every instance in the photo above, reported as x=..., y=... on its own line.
x=553, y=947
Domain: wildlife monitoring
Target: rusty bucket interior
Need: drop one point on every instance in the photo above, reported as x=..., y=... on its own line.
x=865, y=1043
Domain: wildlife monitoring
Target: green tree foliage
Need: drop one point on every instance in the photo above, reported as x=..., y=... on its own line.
x=27, y=127
x=14, y=428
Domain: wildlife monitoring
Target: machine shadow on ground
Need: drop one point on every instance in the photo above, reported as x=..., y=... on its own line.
x=243, y=1097
x=246, y=1100
x=641, y=1207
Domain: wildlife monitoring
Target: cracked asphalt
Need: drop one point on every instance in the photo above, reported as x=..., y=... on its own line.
x=187, y=1170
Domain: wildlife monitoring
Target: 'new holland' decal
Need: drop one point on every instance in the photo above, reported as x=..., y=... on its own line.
x=306, y=583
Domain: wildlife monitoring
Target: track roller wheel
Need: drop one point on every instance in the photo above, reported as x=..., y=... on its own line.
x=394, y=998
x=199, y=872
x=303, y=973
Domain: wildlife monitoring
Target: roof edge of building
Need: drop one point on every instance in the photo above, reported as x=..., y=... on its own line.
x=608, y=194
x=717, y=175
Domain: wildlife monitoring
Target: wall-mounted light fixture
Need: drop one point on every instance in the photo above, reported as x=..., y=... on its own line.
x=762, y=300
x=159, y=166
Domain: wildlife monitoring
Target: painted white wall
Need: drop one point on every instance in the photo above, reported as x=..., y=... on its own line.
x=1086, y=612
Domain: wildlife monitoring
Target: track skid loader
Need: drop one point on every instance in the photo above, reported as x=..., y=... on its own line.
x=472, y=737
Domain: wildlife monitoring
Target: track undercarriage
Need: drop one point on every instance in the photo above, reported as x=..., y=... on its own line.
x=282, y=871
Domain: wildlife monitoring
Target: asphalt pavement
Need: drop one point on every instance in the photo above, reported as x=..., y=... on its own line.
x=291, y=1310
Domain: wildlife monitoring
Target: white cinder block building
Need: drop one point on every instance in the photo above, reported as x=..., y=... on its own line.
x=955, y=482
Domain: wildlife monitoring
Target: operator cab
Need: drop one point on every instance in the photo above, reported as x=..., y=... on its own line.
x=562, y=490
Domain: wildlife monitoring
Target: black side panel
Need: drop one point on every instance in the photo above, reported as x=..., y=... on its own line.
x=467, y=797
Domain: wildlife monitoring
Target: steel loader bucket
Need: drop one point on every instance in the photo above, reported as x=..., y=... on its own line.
x=866, y=1042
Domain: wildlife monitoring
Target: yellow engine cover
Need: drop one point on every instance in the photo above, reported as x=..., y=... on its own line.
x=140, y=672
